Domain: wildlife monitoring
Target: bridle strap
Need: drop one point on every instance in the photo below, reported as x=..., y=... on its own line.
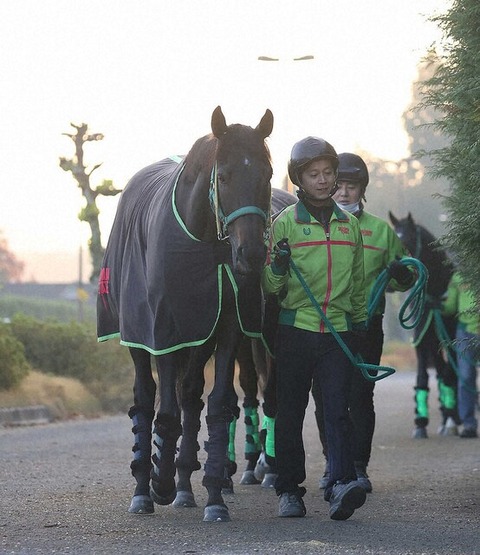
x=222, y=221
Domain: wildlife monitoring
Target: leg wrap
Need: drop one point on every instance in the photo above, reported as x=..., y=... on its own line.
x=447, y=396
x=216, y=447
x=231, y=440
x=142, y=449
x=269, y=426
x=252, y=438
x=421, y=407
x=187, y=458
x=167, y=430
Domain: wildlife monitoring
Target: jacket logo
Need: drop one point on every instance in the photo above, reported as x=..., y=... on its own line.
x=343, y=229
x=366, y=232
x=307, y=231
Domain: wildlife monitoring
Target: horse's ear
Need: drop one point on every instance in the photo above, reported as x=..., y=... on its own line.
x=266, y=124
x=392, y=218
x=410, y=218
x=219, y=125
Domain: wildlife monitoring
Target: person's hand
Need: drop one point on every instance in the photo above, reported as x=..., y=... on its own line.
x=359, y=334
x=433, y=303
x=400, y=272
x=282, y=257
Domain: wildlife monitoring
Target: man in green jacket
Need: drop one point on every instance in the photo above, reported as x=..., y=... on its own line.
x=325, y=244
x=382, y=249
x=461, y=303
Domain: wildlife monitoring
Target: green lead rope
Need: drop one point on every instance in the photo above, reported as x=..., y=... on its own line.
x=415, y=301
x=370, y=372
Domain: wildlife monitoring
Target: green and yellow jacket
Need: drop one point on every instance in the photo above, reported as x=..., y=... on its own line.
x=381, y=246
x=330, y=260
x=460, y=302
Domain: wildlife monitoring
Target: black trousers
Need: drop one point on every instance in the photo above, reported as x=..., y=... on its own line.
x=360, y=397
x=303, y=356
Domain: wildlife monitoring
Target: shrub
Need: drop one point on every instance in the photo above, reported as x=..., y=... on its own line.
x=13, y=364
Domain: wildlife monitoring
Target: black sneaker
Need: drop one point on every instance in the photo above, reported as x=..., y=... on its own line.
x=362, y=477
x=469, y=432
x=345, y=498
x=291, y=505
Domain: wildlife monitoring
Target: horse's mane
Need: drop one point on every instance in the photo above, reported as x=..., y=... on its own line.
x=201, y=155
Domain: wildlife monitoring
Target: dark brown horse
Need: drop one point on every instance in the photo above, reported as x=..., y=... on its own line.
x=181, y=281
x=428, y=343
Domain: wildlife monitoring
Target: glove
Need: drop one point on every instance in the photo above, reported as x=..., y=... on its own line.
x=400, y=272
x=282, y=257
x=433, y=303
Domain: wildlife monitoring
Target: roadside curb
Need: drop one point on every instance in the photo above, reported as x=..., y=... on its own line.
x=25, y=416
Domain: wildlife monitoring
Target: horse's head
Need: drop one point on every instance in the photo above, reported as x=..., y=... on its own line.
x=407, y=231
x=241, y=189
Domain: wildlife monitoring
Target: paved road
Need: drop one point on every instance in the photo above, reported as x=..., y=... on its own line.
x=65, y=488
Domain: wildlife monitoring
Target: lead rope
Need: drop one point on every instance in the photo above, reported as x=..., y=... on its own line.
x=378, y=372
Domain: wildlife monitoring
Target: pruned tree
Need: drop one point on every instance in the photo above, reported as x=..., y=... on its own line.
x=11, y=269
x=90, y=211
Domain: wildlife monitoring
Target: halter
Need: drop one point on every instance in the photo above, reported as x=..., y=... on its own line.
x=223, y=221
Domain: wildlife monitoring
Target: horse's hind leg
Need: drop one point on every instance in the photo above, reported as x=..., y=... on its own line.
x=167, y=430
x=141, y=414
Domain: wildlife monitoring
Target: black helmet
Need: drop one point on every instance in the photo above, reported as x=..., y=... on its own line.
x=305, y=151
x=352, y=168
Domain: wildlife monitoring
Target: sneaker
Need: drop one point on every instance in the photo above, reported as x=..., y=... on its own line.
x=345, y=498
x=362, y=477
x=323, y=482
x=469, y=432
x=291, y=505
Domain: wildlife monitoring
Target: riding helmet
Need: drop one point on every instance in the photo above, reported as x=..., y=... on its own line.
x=307, y=150
x=352, y=168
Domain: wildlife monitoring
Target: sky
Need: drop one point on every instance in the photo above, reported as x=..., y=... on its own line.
x=147, y=74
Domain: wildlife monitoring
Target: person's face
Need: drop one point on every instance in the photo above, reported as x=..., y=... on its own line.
x=318, y=180
x=348, y=193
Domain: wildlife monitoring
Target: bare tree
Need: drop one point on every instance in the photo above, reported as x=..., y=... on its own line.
x=90, y=212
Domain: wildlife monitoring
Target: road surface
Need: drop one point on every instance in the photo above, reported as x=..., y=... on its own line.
x=65, y=488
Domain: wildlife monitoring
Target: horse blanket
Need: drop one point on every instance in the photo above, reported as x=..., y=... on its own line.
x=160, y=288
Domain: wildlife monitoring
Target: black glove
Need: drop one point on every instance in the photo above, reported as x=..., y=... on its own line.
x=359, y=334
x=433, y=303
x=282, y=257
x=400, y=272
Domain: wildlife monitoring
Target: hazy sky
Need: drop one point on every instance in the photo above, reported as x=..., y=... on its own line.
x=148, y=74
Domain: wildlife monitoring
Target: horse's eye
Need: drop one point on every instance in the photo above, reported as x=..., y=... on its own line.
x=221, y=178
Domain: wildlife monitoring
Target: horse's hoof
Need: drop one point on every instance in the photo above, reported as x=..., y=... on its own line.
x=269, y=480
x=449, y=428
x=419, y=433
x=184, y=499
x=261, y=468
x=216, y=513
x=167, y=499
x=141, y=505
x=248, y=478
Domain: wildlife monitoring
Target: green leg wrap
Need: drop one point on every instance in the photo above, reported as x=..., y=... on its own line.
x=447, y=396
x=421, y=400
x=231, y=439
x=269, y=425
x=252, y=439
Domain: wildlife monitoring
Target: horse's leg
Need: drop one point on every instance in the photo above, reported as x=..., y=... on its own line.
x=266, y=468
x=249, y=385
x=221, y=409
x=167, y=430
x=193, y=383
x=421, y=389
x=447, y=385
x=141, y=414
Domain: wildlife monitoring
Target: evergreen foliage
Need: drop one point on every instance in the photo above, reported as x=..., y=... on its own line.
x=454, y=91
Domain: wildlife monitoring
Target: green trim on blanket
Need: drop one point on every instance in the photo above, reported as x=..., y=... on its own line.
x=181, y=223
